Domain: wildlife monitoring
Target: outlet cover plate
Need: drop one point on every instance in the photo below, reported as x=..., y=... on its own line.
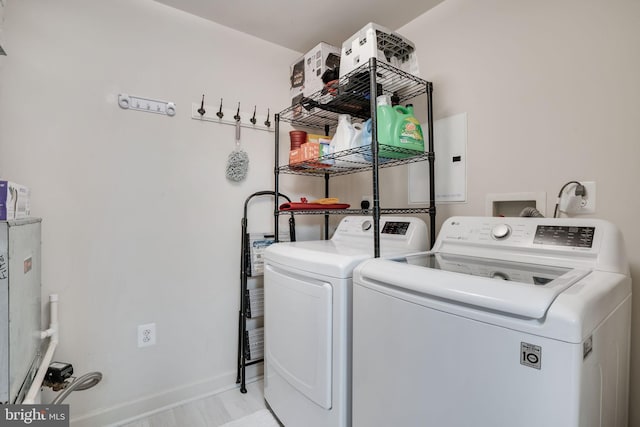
x=589, y=200
x=146, y=335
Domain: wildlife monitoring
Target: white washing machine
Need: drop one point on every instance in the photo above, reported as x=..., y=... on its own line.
x=308, y=291
x=506, y=322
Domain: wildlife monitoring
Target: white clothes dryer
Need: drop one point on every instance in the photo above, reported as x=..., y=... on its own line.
x=506, y=322
x=308, y=291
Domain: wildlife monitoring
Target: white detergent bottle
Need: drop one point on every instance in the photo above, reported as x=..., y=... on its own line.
x=342, y=140
x=357, y=142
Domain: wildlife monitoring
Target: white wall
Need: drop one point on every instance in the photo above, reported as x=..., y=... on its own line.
x=139, y=223
x=551, y=90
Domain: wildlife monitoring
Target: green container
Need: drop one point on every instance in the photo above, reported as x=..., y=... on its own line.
x=398, y=127
x=386, y=116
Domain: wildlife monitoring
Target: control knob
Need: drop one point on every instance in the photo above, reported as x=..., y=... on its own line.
x=501, y=231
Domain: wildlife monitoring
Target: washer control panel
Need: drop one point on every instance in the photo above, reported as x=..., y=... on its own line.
x=545, y=233
x=579, y=242
x=581, y=237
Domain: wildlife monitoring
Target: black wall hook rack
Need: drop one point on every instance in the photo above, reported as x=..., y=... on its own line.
x=216, y=114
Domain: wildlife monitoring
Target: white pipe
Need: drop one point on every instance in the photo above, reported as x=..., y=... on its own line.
x=52, y=334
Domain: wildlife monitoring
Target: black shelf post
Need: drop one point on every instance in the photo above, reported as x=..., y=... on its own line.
x=276, y=163
x=326, y=192
x=373, y=95
x=431, y=160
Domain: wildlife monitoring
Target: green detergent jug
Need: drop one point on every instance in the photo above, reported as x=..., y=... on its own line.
x=407, y=132
x=386, y=117
x=398, y=130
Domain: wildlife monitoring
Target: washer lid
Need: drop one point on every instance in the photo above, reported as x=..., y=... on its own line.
x=519, y=289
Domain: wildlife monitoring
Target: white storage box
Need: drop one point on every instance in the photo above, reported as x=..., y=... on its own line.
x=375, y=41
x=306, y=73
x=14, y=201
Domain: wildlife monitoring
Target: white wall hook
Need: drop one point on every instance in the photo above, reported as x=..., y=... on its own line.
x=123, y=101
x=144, y=104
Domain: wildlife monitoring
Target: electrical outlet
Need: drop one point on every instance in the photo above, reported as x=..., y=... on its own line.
x=367, y=198
x=146, y=335
x=588, y=203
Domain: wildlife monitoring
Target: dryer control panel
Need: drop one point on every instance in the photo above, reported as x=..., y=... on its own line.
x=396, y=227
x=401, y=232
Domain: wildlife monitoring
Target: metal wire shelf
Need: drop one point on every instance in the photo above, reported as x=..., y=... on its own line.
x=395, y=211
x=355, y=160
x=355, y=94
x=352, y=96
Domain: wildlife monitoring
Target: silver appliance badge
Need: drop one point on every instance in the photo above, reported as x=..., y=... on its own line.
x=531, y=355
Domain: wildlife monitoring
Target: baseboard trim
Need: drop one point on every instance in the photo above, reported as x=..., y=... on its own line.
x=152, y=404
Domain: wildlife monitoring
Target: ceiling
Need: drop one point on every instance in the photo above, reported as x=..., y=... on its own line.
x=300, y=25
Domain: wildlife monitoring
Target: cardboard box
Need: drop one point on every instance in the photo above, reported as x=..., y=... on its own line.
x=315, y=150
x=306, y=153
x=14, y=201
x=295, y=155
x=305, y=74
x=376, y=41
x=322, y=139
x=309, y=152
